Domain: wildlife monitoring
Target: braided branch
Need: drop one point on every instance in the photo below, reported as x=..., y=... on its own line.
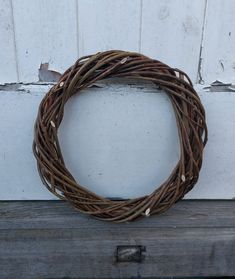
x=190, y=118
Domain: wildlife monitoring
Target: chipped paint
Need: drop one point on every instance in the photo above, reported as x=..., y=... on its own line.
x=46, y=75
x=199, y=72
x=219, y=86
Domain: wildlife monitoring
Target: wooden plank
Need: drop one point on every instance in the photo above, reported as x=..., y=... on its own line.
x=61, y=215
x=46, y=32
x=217, y=170
x=53, y=250
x=218, y=43
x=114, y=156
x=71, y=253
x=171, y=32
x=129, y=150
x=8, y=69
x=105, y=25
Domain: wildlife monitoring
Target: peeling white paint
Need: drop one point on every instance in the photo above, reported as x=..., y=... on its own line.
x=195, y=36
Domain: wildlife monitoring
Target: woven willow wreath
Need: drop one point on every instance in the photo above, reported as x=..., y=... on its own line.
x=190, y=118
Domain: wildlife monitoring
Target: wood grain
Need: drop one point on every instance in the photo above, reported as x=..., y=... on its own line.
x=45, y=32
x=180, y=33
x=218, y=42
x=8, y=69
x=171, y=32
x=51, y=240
x=111, y=25
x=185, y=214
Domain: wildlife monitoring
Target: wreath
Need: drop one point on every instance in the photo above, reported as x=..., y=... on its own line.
x=190, y=119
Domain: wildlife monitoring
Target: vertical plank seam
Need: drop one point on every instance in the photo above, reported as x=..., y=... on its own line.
x=14, y=39
x=77, y=28
x=140, y=27
x=199, y=78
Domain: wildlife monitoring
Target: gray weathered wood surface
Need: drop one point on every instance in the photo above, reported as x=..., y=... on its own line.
x=49, y=239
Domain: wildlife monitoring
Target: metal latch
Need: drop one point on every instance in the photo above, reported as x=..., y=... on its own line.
x=130, y=253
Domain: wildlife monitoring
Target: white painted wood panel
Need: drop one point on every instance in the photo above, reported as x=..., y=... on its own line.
x=217, y=179
x=127, y=151
x=8, y=62
x=172, y=31
x=218, y=49
x=111, y=142
x=46, y=31
x=105, y=25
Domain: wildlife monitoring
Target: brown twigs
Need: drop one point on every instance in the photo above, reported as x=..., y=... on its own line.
x=190, y=118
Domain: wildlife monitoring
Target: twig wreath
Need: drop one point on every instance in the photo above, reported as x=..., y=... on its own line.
x=190, y=119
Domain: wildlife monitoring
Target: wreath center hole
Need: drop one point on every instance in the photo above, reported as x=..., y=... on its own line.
x=120, y=140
